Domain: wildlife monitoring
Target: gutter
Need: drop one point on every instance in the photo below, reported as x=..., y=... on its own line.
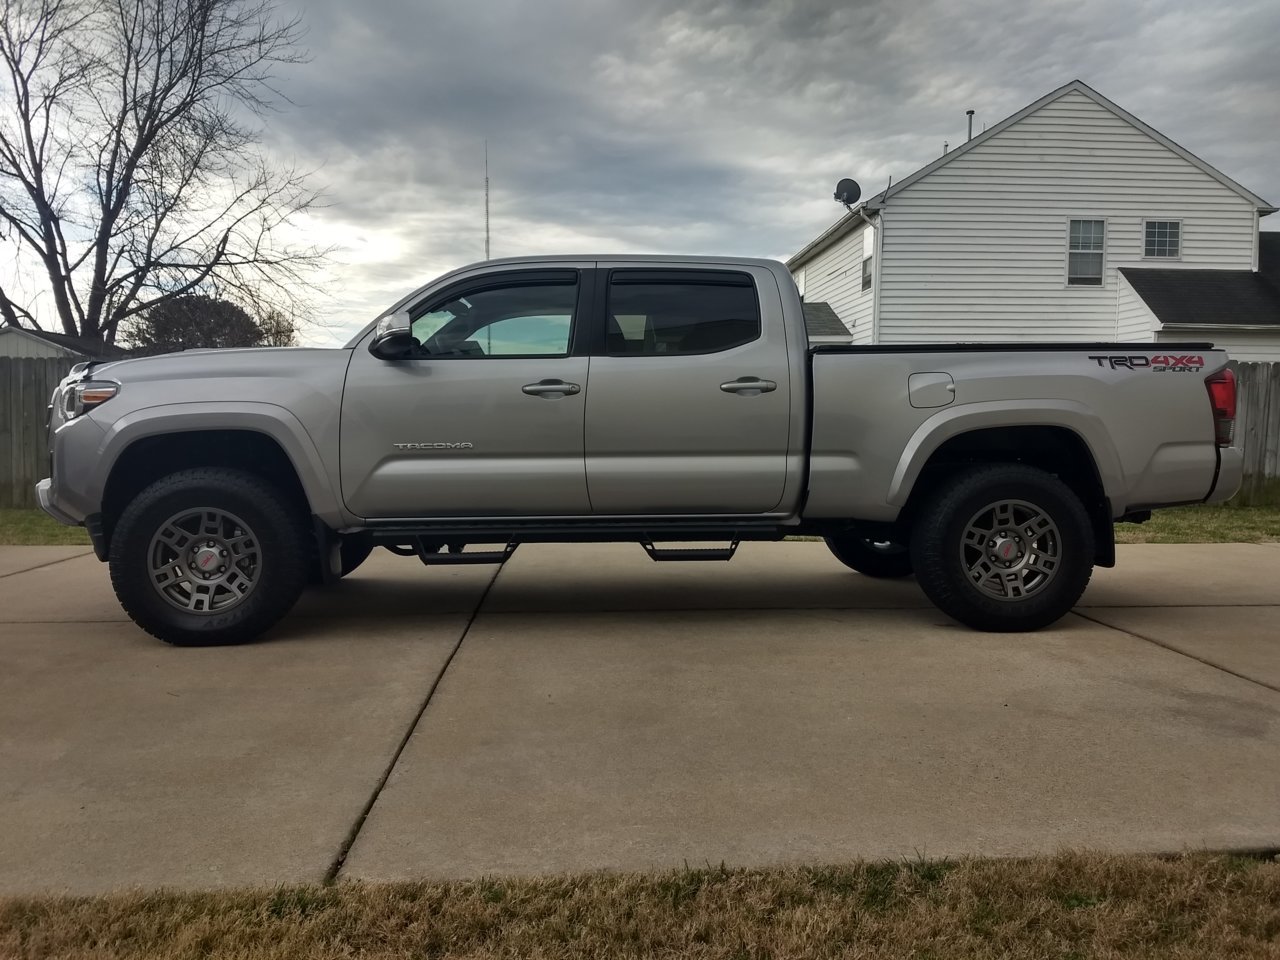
x=1273, y=327
x=837, y=231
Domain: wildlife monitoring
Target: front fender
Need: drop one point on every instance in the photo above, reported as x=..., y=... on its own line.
x=317, y=477
x=952, y=422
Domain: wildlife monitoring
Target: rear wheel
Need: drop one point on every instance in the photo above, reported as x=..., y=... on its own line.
x=872, y=558
x=1004, y=548
x=209, y=556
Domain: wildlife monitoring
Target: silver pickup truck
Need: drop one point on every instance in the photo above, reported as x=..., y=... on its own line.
x=652, y=400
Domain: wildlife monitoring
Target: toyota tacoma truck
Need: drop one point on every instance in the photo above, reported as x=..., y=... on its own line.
x=671, y=402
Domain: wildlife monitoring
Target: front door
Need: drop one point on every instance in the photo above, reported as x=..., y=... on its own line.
x=690, y=397
x=487, y=420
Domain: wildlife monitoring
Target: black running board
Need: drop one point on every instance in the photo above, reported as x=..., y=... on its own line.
x=686, y=554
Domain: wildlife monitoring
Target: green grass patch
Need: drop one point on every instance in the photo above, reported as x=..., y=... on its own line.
x=34, y=527
x=1205, y=524
x=1068, y=905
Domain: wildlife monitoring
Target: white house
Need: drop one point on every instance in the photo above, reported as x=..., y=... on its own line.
x=1066, y=221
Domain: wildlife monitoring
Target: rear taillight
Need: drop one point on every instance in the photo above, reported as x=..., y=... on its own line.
x=1222, y=398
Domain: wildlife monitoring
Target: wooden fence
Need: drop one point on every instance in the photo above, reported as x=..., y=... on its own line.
x=25, y=386
x=1258, y=431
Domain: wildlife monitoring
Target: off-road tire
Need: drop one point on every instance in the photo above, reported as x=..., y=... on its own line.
x=940, y=568
x=282, y=538
x=871, y=558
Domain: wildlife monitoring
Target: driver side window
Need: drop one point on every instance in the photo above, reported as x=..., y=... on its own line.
x=532, y=319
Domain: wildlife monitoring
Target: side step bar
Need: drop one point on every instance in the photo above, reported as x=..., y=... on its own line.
x=679, y=554
x=434, y=553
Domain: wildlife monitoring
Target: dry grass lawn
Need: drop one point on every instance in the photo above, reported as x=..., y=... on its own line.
x=1071, y=905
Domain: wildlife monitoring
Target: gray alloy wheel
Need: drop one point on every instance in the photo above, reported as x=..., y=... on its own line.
x=1011, y=549
x=1004, y=547
x=204, y=561
x=210, y=556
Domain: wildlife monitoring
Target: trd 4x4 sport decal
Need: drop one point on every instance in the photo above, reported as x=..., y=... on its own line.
x=1171, y=363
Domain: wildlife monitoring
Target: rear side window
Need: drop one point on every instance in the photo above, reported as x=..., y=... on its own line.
x=678, y=313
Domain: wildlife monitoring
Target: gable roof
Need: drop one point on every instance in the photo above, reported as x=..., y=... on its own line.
x=874, y=204
x=1075, y=86
x=1213, y=298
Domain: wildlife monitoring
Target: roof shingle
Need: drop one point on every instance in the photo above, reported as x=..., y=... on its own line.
x=1214, y=297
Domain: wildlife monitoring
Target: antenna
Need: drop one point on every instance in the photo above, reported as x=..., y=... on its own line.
x=486, y=199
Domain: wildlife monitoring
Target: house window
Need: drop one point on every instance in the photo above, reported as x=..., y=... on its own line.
x=1084, y=252
x=866, y=274
x=1162, y=239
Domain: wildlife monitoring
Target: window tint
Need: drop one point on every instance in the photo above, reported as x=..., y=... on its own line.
x=1085, y=243
x=665, y=314
x=534, y=319
x=1162, y=238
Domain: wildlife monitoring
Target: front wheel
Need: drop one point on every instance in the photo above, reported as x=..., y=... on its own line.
x=1004, y=548
x=209, y=556
x=871, y=558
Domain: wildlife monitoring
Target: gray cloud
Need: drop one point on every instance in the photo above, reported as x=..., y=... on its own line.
x=710, y=126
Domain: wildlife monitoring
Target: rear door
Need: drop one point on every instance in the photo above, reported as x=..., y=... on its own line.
x=688, y=407
x=488, y=419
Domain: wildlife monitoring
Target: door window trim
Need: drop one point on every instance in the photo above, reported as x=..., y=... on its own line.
x=581, y=325
x=605, y=278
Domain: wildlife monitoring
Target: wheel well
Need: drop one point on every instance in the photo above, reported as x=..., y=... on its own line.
x=146, y=460
x=1055, y=450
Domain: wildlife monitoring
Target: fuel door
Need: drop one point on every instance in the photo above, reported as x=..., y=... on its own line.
x=931, y=389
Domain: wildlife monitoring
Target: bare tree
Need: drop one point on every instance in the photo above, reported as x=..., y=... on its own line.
x=129, y=167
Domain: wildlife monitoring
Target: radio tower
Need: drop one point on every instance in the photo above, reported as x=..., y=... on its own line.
x=486, y=199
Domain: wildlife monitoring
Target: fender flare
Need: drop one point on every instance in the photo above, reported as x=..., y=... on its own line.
x=269, y=419
x=957, y=421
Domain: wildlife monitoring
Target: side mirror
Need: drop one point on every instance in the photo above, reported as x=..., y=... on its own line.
x=393, y=344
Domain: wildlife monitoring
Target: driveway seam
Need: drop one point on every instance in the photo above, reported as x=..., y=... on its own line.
x=340, y=860
x=1172, y=649
x=41, y=566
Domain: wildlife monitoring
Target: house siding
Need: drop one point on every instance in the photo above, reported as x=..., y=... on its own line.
x=977, y=249
x=1261, y=346
x=835, y=276
x=1135, y=323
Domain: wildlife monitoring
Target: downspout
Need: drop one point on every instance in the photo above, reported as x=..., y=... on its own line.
x=875, y=271
x=1257, y=239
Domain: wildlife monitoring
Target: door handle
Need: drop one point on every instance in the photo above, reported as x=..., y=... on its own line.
x=749, y=386
x=550, y=388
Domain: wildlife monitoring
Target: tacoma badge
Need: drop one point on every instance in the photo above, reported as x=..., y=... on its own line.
x=434, y=446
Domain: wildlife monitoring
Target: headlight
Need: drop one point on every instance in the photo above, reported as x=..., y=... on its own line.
x=81, y=397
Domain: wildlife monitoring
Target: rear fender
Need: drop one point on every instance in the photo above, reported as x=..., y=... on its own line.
x=951, y=423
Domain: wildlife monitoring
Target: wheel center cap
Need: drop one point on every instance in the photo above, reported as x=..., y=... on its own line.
x=205, y=560
x=1005, y=549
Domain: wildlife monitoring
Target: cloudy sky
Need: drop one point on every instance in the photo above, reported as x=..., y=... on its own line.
x=708, y=127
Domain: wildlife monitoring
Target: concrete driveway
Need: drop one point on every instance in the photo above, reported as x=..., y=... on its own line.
x=587, y=708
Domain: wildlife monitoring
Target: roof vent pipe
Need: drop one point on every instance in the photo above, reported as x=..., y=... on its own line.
x=945, y=147
x=969, y=114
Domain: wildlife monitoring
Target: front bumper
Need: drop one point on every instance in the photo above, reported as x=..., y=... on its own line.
x=44, y=496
